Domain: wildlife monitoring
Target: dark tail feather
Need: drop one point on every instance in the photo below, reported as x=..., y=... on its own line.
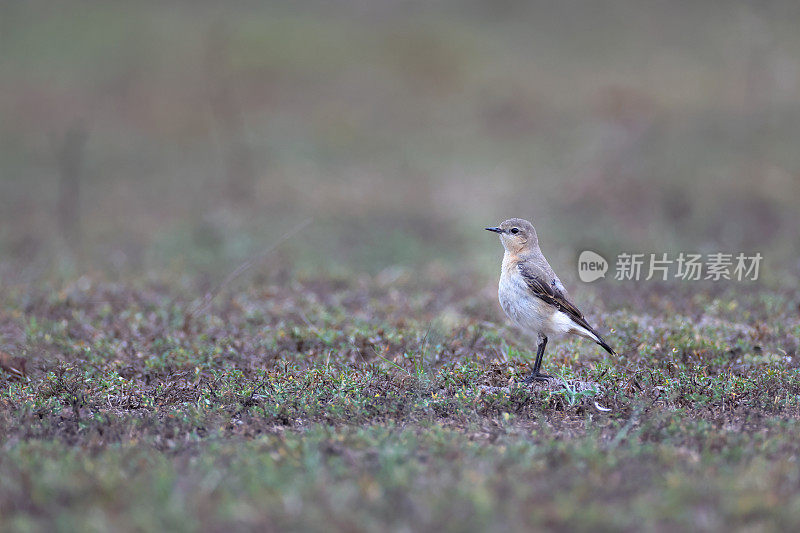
x=595, y=337
x=605, y=345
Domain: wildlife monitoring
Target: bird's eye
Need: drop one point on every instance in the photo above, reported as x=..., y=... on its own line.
x=514, y=231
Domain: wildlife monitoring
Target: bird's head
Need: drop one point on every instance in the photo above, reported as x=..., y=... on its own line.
x=516, y=235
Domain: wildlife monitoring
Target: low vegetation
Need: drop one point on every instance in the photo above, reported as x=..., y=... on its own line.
x=391, y=403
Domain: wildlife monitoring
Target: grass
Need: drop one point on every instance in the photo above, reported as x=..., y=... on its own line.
x=347, y=404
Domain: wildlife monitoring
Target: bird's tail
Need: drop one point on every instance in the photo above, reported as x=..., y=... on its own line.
x=605, y=345
x=586, y=331
x=599, y=340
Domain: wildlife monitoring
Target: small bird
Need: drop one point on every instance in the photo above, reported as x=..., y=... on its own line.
x=532, y=295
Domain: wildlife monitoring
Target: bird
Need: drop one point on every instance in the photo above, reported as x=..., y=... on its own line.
x=532, y=295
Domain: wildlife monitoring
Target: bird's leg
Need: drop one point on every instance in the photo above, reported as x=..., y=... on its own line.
x=536, y=375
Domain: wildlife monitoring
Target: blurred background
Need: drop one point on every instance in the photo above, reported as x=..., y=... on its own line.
x=189, y=136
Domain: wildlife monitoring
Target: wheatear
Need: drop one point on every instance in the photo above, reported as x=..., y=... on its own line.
x=532, y=295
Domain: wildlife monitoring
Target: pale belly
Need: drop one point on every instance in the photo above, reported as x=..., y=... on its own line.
x=529, y=313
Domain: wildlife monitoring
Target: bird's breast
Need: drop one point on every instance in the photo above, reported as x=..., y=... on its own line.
x=523, y=308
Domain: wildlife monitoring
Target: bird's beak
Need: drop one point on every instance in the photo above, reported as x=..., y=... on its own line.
x=496, y=230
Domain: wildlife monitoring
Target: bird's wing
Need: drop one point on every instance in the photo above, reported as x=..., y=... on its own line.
x=537, y=283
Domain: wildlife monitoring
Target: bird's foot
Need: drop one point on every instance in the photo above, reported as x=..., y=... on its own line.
x=537, y=376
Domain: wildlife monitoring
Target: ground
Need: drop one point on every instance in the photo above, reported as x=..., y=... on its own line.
x=392, y=403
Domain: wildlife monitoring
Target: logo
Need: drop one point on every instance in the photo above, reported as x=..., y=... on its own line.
x=591, y=266
x=685, y=266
